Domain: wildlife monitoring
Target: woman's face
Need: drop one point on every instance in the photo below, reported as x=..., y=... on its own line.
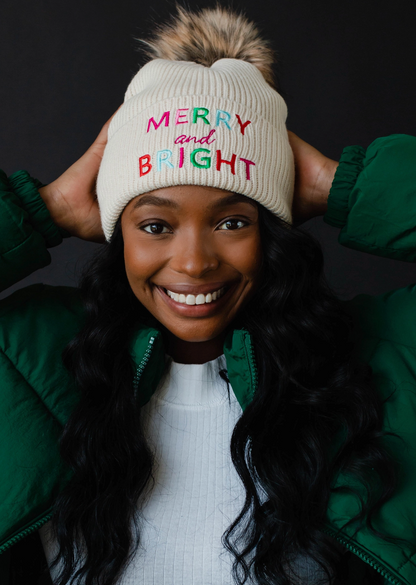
x=192, y=257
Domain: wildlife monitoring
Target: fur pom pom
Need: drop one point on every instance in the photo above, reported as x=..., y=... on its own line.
x=208, y=35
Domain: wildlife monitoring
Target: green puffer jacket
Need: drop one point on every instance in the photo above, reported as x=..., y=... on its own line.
x=372, y=200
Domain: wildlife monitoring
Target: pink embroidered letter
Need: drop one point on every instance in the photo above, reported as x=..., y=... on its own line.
x=179, y=115
x=248, y=163
x=156, y=126
x=181, y=152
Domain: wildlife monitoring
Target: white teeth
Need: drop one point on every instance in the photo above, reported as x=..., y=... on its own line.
x=200, y=300
x=195, y=300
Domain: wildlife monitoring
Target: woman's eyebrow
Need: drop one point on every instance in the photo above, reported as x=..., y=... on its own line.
x=162, y=202
x=154, y=200
x=231, y=200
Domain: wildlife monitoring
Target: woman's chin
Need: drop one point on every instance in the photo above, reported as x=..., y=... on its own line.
x=197, y=336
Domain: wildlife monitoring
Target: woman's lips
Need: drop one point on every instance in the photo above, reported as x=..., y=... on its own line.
x=204, y=289
x=196, y=310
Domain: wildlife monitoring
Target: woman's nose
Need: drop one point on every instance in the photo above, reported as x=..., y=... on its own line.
x=194, y=255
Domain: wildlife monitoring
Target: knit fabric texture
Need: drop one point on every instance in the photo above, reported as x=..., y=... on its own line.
x=182, y=123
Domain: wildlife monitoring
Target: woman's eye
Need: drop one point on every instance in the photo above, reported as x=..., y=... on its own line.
x=232, y=224
x=155, y=228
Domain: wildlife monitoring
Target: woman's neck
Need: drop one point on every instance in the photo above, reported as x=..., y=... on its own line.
x=191, y=352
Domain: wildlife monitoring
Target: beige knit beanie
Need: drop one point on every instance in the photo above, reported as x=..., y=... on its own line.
x=183, y=123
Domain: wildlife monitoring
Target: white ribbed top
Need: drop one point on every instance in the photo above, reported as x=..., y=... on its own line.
x=188, y=422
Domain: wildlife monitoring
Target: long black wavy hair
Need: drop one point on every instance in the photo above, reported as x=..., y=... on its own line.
x=310, y=387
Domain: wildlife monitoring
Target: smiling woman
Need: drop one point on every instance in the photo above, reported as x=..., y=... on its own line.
x=202, y=407
x=193, y=259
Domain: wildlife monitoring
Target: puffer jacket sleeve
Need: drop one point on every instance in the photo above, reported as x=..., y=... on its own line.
x=373, y=198
x=26, y=228
x=373, y=201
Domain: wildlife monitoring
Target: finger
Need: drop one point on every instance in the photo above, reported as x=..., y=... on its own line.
x=294, y=140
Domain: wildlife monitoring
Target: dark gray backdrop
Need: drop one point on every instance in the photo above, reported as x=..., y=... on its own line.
x=346, y=71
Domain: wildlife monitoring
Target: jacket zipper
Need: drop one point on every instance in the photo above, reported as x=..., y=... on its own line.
x=45, y=519
x=364, y=556
x=254, y=365
x=252, y=360
x=142, y=365
x=25, y=532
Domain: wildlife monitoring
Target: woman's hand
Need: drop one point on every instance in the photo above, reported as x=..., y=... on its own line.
x=314, y=174
x=71, y=199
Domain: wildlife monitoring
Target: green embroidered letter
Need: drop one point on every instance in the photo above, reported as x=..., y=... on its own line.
x=205, y=159
x=202, y=116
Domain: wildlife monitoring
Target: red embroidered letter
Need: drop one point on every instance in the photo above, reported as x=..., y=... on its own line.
x=145, y=164
x=156, y=126
x=227, y=162
x=248, y=163
x=242, y=126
